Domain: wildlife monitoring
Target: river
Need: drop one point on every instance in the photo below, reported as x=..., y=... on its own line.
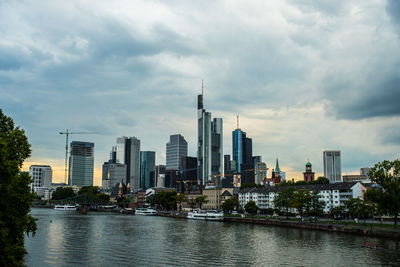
x=67, y=238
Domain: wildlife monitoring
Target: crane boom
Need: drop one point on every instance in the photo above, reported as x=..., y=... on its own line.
x=67, y=133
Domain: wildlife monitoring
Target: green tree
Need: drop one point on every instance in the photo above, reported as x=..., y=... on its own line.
x=251, y=207
x=200, y=200
x=103, y=197
x=62, y=193
x=165, y=200
x=353, y=207
x=192, y=203
x=317, y=206
x=387, y=196
x=283, y=200
x=89, y=190
x=15, y=194
x=301, y=201
x=180, y=199
x=230, y=204
x=250, y=185
x=337, y=212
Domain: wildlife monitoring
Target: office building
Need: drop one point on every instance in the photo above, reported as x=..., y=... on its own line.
x=260, y=172
x=128, y=152
x=41, y=176
x=189, y=169
x=332, y=166
x=147, y=169
x=309, y=175
x=112, y=172
x=209, y=145
x=242, y=150
x=364, y=171
x=177, y=148
x=160, y=176
x=81, y=163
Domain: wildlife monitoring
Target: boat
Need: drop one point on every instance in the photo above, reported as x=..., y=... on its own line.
x=371, y=247
x=65, y=207
x=206, y=215
x=145, y=211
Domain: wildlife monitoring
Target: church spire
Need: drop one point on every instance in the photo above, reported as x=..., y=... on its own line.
x=277, y=166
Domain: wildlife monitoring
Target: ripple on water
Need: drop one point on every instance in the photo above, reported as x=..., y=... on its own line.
x=100, y=239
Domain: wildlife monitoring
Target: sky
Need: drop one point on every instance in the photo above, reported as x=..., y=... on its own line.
x=304, y=76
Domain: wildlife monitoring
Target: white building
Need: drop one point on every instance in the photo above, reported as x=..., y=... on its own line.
x=333, y=195
x=41, y=176
x=332, y=166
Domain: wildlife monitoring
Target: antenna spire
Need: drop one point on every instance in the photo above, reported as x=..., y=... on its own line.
x=202, y=87
x=237, y=121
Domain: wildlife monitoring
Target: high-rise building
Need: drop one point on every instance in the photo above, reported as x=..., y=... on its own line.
x=237, y=147
x=242, y=151
x=81, y=163
x=332, y=165
x=41, y=176
x=209, y=145
x=160, y=175
x=189, y=169
x=113, y=172
x=309, y=174
x=128, y=152
x=260, y=171
x=364, y=171
x=177, y=148
x=147, y=169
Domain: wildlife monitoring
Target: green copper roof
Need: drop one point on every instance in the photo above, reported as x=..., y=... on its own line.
x=277, y=166
x=308, y=164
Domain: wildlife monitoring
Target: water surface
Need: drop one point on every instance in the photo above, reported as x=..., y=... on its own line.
x=104, y=239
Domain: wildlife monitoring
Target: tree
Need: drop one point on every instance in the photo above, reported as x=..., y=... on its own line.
x=316, y=206
x=284, y=200
x=165, y=200
x=250, y=185
x=192, y=203
x=301, y=201
x=230, y=204
x=15, y=193
x=353, y=207
x=62, y=193
x=387, y=196
x=200, y=200
x=180, y=199
x=337, y=212
x=89, y=190
x=251, y=207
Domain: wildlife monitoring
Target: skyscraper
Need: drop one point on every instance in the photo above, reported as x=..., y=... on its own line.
x=128, y=152
x=113, y=172
x=332, y=165
x=209, y=145
x=147, y=169
x=81, y=163
x=160, y=175
x=177, y=149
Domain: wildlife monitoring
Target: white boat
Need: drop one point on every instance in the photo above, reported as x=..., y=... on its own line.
x=65, y=207
x=206, y=215
x=145, y=211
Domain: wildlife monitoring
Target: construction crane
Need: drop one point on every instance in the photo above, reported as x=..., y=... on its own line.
x=67, y=133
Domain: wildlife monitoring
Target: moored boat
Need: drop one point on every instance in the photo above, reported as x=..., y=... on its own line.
x=65, y=207
x=145, y=211
x=205, y=215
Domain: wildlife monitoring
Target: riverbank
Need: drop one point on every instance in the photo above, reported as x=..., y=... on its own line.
x=371, y=231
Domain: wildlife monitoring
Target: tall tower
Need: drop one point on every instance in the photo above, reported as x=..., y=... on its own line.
x=147, y=169
x=81, y=163
x=332, y=166
x=177, y=148
x=128, y=152
x=308, y=174
x=209, y=143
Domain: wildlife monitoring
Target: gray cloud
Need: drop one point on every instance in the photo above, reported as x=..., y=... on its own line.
x=393, y=9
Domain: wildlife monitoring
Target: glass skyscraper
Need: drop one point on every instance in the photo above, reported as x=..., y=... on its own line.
x=209, y=145
x=177, y=149
x=332, y=166
x=147, y=169
x=81, y=163
x=128, y=152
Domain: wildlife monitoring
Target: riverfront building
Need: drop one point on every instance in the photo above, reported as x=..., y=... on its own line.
x=332, y=166
x=334, y=195
x=209, y=144
x=113, y=172
x=41, y=176
x=81, y=163
x=177, y=148
x=128, y=152
x=147, y=169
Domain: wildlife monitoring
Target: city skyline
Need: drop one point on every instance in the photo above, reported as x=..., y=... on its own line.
x=301, y=80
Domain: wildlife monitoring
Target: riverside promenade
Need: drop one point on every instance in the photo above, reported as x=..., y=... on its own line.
x=359, y=229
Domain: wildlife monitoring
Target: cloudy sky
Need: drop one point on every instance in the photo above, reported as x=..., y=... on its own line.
x=304, y=76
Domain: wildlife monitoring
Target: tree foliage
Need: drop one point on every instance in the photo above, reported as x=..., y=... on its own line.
x=180, y=199
x=283, y=200
x=62, y=193
x=250, y=185
x=230, y=204
x=301, y=201
x=251, y=207
x=15, y=194
x=165, y=200
x=387, y=195
x=200, y=200
x=316, y=206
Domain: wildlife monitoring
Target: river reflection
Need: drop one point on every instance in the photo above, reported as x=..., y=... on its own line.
x=103, y=239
